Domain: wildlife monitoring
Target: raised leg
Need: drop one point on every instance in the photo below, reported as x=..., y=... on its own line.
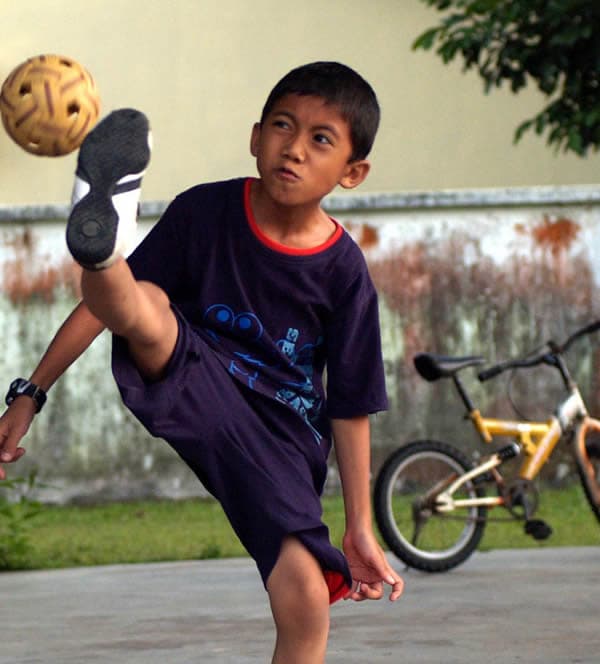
x=101, y=230
x=139, y=311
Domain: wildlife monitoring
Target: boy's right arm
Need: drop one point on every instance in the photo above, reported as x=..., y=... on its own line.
x=72, y=339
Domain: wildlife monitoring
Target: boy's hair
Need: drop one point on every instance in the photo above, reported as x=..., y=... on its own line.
x=341, y=86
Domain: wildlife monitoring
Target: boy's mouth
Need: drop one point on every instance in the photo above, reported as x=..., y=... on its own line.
x=287, y=174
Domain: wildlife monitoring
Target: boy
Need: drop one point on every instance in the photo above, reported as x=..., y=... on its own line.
x=224, y=319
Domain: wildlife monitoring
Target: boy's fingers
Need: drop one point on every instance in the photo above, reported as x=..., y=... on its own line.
x=397, y=590
x=390, y=577
x=397, y=584
x=18, y=453
x=8, y=447
x=372, y=590
x=363, y=591
x=11, y=455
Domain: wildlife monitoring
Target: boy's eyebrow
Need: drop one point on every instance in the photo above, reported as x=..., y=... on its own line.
x=321, y=127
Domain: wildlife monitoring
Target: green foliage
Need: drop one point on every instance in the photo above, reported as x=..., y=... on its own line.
x=555, y=43
x=16, y=511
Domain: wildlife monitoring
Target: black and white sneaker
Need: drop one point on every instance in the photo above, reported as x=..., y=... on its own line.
x=111, y=162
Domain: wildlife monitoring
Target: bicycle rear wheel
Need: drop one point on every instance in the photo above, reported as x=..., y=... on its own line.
x=404, y=506
x=587, y=454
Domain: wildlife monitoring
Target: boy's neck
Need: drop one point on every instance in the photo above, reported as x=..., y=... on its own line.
x=299, y=227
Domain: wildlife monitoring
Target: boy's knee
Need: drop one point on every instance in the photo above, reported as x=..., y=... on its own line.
x=155, y=294
x=297, y=586
x=309, y=591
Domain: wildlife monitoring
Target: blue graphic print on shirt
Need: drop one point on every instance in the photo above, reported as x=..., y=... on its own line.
x=301, y=396
x=245, y=324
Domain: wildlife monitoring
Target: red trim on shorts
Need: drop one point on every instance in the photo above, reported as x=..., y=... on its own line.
x=282, y=248
x=338, y=588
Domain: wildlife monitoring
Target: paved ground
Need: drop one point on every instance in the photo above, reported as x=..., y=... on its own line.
x=524, y=606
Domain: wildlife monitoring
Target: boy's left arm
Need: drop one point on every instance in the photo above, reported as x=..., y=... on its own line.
x=366, y=559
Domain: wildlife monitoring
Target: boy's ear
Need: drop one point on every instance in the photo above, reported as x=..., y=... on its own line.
x=356, y=172
x=254, y=138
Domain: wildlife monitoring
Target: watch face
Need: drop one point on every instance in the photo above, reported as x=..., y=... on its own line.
x=19, y=386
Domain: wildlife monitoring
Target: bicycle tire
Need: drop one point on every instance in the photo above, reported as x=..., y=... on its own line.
x=588, y=467
x=444, y=540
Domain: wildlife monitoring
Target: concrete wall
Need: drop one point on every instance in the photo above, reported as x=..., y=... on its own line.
x=495, y=272
x=484, y=263
x=201, y=70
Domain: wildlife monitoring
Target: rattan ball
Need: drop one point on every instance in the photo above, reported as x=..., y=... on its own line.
x=48, y=104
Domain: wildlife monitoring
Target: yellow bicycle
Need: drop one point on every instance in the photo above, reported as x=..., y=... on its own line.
x=430, y=500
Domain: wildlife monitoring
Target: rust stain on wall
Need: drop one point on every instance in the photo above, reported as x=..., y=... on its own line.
x=21, y=284
x=451, y=280
x=555, y=236
x=366, y=236
x=555, y=239
x=405, y=277
x=21, y=242
x=29, y=274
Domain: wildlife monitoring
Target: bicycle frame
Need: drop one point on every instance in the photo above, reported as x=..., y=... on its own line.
x=536, y=440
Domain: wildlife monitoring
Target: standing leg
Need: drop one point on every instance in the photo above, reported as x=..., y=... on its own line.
x=300, y=605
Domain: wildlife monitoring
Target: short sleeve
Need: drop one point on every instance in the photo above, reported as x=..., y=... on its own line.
x=355, y=371
x=158, y=257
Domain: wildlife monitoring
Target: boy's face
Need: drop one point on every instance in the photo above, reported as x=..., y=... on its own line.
x=302, y=151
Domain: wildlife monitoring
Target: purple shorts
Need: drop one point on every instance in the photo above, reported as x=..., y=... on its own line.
x=253, y=454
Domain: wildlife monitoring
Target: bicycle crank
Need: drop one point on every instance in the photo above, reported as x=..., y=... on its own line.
x=521, y=498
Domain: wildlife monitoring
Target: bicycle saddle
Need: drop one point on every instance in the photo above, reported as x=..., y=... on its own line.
x=433, y=367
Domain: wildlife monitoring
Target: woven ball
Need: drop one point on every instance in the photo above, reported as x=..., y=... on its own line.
x=48, y=105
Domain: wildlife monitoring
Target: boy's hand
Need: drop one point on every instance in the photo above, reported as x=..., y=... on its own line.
x=369, y=568
x=14, y=424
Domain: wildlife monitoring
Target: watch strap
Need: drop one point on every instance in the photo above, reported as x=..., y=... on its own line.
x=21, y=387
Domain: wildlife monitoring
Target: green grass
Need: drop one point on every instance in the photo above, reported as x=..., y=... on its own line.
x=194, y=529
x=130, y=533
x=565, y=510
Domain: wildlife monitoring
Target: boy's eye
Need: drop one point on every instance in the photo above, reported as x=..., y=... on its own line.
x=323, y=139
x=281, y=124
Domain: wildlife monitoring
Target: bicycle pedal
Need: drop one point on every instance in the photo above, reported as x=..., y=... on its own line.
x=538, y=529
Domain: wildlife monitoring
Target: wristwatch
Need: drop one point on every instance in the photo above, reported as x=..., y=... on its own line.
x=25, y=388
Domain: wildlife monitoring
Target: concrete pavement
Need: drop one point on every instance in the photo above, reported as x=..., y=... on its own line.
x=526, y=606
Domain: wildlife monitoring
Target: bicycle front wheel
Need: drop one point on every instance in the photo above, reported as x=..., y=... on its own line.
x=405, y=507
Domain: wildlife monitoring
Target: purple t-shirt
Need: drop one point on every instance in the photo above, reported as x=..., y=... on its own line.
x=274, y=316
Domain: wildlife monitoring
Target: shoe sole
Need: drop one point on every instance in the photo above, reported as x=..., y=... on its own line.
x=112, y=160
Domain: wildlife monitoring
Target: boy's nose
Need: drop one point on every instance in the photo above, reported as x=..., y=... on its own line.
x=294, y=148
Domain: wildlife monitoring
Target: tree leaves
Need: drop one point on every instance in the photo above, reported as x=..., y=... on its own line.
x=554, y=44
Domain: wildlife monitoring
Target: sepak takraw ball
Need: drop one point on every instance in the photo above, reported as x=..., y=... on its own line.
x=48, y=104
